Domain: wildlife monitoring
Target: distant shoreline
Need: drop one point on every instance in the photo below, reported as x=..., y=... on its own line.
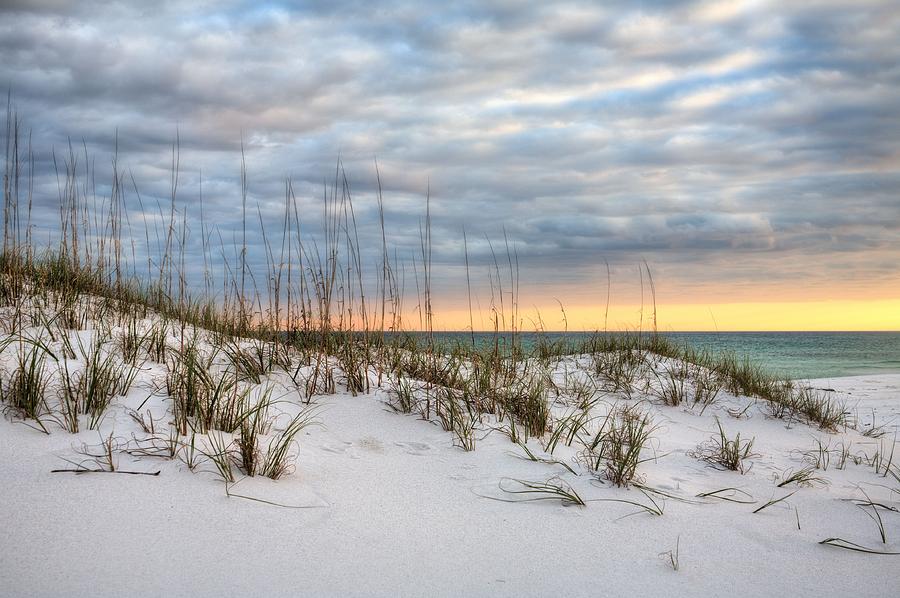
x=795, y=355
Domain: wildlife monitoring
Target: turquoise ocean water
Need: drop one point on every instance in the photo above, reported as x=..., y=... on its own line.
x=790, y=354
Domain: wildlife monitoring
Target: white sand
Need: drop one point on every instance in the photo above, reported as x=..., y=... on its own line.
x=398, y=510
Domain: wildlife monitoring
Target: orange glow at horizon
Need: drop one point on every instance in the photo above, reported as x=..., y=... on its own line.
x=824, y=315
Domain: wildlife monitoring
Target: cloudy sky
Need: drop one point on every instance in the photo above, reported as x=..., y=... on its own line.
x=748, y=151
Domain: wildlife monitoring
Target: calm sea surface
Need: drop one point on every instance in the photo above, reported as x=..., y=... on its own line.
x=791, y=354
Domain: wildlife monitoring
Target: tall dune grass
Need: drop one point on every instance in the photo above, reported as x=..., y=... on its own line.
x=310, y=314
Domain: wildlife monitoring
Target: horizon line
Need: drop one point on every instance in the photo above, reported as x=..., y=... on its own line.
x=502, y=332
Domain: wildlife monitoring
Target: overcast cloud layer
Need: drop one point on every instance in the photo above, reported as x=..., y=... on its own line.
x=746, y=150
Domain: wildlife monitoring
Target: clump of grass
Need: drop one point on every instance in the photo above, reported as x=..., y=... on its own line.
x=25, y=388
x=844, y=455
x=527, y=401
x=282, y=450
x=820, y=456
x=189, y=384
x=457, y=413
x=131, y=342
x=91, y=389
x=104, y=456
x=156, y=341
x=742, y=376
x=707, y=386
x=219, y=451
x=319, y=380
x=785, y=401
x=221, y=403
x=204, y=399
x=873, y=430
x=568, y=427
x=464, y=430
x=354, y=361
x=71, y=314
x=402, y=396
x=511, y=430
x=248, y=364
x=581, y=390
x=615, y=450
x=671, y=388
x=725, y=453
x=620, y=367
x=248, y=451
x=447, y=408
x=190, y=453
x=820, y=408
x=883, y=460
x=258, y=358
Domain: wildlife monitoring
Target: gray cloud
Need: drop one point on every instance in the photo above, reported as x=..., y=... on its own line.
x=740, y=144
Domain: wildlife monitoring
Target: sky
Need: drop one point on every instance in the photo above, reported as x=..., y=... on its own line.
x=747, y=152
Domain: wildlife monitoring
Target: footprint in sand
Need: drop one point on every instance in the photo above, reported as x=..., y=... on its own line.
x=466, y=472
x=338, y=448
x=414, y=448
x=370, y=443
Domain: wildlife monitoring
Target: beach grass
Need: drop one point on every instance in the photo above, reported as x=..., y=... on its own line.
x=100, y=303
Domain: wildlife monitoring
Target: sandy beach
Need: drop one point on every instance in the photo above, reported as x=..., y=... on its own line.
x=384, y=504
x=450, y=299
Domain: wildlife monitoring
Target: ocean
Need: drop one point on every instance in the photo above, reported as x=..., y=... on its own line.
x=798, y=355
